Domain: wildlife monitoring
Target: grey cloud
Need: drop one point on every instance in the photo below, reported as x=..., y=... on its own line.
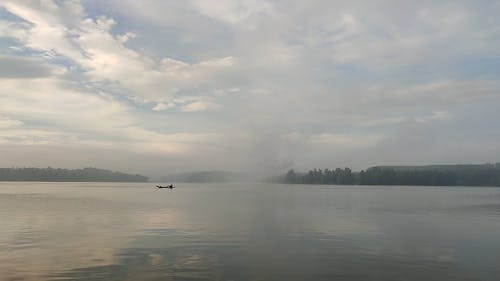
x=23, y=67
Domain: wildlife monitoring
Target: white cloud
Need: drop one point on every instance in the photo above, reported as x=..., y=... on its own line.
x=74, y=117
x=7, y=123
x=199, y=106
x=58, y=101
x=13, y=29
x=103, y=56
x=163, y=106
x=245, y=12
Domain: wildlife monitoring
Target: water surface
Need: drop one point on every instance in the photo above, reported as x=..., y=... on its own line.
x=117, y=231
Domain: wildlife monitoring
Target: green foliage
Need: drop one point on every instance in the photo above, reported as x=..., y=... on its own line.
x=438, y=175
x=51, y=174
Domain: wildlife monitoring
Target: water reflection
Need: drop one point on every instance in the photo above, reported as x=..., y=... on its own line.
x=247, y=232
x=306, y=258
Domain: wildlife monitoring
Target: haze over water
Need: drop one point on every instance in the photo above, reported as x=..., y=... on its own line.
x=115, y=231
x=251, y=89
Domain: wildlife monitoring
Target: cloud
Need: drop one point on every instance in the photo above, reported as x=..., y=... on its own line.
x=435, y=115
x=19, y=67
x=163, y=106
x=7, y=123
x=90, y=45
x=199, y=106
x=65, y=115
x=187, y=104
x=308, y=82
x=13, y=29
x=345, y=141
x=234, y=12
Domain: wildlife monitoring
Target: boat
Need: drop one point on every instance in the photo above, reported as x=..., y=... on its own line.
x=170, y=186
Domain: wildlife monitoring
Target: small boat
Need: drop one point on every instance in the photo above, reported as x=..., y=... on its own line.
x=171, y=186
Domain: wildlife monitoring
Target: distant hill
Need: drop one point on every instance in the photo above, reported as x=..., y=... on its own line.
x=60, y=175
x=206, y=176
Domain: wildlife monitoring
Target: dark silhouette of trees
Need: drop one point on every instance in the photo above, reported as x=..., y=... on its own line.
x=290, y=176
x=439, y=175
x=51, y=174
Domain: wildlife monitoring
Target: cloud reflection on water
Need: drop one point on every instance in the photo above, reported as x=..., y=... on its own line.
x=242, y=232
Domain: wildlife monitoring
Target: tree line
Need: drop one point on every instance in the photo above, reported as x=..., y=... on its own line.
x=474, y=175
x=53, y=174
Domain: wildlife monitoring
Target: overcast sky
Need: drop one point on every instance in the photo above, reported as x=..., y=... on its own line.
x=157, y=87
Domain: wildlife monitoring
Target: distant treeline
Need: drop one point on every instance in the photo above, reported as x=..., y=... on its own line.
x=51, y=174
x=437, y=175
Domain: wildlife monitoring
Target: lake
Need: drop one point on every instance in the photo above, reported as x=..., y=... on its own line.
x=131, y=231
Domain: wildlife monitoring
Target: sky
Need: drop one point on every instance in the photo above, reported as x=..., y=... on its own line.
x=159, y=87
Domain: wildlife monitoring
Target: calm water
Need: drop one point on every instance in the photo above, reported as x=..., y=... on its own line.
x=112, y=231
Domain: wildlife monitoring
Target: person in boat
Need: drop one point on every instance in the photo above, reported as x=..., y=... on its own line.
x=171, y=186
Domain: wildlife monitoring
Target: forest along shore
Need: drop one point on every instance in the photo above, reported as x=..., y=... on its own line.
x=62, y=175
x=432, y=175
